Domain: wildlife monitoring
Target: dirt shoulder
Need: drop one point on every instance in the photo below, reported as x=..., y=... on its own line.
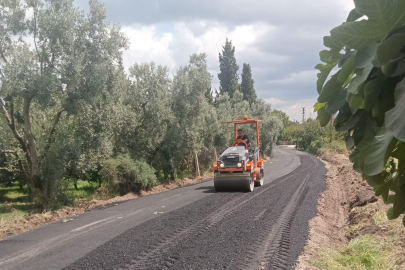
x=25, y=223
x=349, y=218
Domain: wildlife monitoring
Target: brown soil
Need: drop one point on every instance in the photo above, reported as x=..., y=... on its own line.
x=345, y=190
x=29, y=222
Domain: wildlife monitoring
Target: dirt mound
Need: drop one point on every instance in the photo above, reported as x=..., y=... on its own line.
x=29, y=222
x=345, y=190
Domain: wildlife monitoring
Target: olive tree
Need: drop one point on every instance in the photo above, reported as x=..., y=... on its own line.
x=55, y=63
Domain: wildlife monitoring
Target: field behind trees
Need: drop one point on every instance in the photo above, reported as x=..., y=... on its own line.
x=73, y=119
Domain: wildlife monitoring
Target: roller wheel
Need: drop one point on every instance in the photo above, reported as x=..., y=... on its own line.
x=251, y=185
x=259, y=177
x=218, y=187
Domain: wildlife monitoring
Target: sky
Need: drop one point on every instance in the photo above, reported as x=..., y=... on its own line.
x=280, y=39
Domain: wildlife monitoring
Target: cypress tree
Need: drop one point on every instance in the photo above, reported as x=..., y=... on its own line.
x=228, y=77
x=247, y=85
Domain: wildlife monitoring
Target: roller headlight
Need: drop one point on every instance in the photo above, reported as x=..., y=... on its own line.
x=239, y=165
x=222, y=165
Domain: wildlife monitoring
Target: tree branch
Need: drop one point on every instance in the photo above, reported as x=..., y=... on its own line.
x=16, y=134
x=7, y=169
x=55, y=123
x=35, y=37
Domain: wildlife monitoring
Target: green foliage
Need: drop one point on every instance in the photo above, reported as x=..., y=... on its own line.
x=364, y=252
x=228, y=77
x=368, y=94
x=123, y=174
x=68, y=108
x=247, y=84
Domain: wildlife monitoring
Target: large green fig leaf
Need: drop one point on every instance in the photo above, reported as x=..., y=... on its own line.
x=361, y=76
x=331, y=58
x=395, y=118
x=334, y=105
x=374, y=155
x=390, y=48
x=371, y=91
x=353, y=15
x=383, y=16
x=323, y=117
x=365, y=56
x=318, y=106
x=398, y=208
x=331, y=89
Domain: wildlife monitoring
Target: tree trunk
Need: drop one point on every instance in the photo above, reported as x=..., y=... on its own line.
x=197, y=165
x=35, y=174
x=75, y=183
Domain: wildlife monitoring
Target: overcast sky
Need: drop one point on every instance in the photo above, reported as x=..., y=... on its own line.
x=280, y=39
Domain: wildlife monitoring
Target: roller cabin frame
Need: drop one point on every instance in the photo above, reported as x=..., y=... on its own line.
x=250, y=174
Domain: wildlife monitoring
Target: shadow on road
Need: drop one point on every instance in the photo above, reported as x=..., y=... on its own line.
x=210, y=189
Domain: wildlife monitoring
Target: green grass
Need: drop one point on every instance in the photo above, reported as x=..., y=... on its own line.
x=334, y=147
x=85, y=190
x=14, y=197
x=362, y=253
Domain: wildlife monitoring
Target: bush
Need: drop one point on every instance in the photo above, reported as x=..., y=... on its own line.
x=123, y=175
x=315, y=146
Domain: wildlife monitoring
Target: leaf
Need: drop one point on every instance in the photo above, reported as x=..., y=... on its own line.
x=331, y=89
x=399, y=152
x=373, y=157
x=356, y=101
x=398, y=207
x=346, y=71
x=353, y=15
x=400, y=69
x=331, y=58
x=352, y=122
x=333, y=106
x=371, y=91
x=390, y=68
x=330, y=43
x=318, y=106
x=384, y=188
x=323, y=117
x=365, y=56
x=350, y=143
x=390, y=48
x=361, y=76
x=375, y=180
x=384, y=16
x=395, y=118
x=346, y=57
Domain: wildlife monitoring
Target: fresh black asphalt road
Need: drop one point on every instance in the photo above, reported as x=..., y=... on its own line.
x=192, y=227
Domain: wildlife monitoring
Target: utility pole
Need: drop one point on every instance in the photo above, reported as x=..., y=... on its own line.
x=303, y=115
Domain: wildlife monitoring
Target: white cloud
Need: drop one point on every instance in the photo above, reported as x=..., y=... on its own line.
x=303, y=77
x=145, y=46
x=275, y=101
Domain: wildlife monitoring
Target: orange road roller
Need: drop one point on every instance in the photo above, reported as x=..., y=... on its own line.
x=239, y=168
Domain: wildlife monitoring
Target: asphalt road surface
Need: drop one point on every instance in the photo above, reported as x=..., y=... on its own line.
x=192, y=227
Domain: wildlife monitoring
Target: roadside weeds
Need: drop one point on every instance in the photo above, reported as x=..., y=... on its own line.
x=351, y=230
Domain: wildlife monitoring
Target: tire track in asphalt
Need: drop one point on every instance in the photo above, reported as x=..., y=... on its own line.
x=224, y=230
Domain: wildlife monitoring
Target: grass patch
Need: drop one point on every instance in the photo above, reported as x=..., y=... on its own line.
x=362, y=253
x=15, y=202
x=338, y=146
x=85, y=190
